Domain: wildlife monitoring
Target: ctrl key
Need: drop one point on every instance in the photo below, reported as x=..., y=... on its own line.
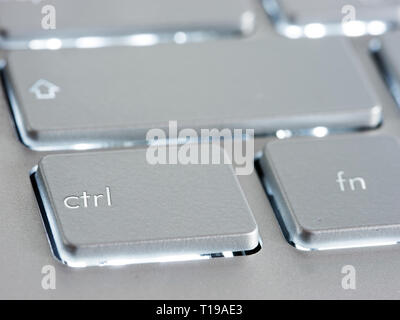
x=115, y=208
x=336, y=192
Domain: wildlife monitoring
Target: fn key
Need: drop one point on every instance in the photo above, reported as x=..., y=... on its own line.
x=114, y=208
x=336, y=192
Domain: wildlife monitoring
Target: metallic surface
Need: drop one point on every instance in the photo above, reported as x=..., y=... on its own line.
x=387, y=54
x=135, y=89
x=276, y=271
x=21, y=20
x=108, y=207
x=335, y=192
x=315, y=19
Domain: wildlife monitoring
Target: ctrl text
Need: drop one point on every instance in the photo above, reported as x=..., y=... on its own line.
x=87, y=200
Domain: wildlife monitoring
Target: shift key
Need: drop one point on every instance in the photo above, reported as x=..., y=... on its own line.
x=89, y=98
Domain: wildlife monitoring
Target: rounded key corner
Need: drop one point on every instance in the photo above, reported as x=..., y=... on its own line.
x=36, y=172
x=29, y=138
x=267, y=148
x=65, y=258
x=304, y=239
x=63, y=250
x=376, y=116
x=247, y=23
x=27, y=135
x=253, y=238
x=43, y=160
x=267, y=154
x=64, y=253
x=301, y=237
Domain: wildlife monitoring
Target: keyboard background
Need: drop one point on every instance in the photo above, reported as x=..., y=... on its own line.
x=277, y=271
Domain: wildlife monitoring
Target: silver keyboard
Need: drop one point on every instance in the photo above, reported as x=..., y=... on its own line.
x=200, y=149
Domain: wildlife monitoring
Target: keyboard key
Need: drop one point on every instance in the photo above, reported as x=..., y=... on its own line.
x=112, y=208
x=336, y=192
x=389, y=58
x=315, y=18
x=24, y=20
x=88, y=98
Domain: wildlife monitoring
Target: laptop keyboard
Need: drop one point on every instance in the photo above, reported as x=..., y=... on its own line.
x=105, y=81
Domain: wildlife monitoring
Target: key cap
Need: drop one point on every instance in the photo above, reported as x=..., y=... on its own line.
x=111, y=208
x=315, y=18
x=112, y=96
x=24, y=20
x=389, y=58
x=335, y=192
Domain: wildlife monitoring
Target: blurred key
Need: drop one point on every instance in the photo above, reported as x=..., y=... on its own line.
x=26, y=20
x=336, y=192
x=81, y=98
x=316, y=18
x=389, y=58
